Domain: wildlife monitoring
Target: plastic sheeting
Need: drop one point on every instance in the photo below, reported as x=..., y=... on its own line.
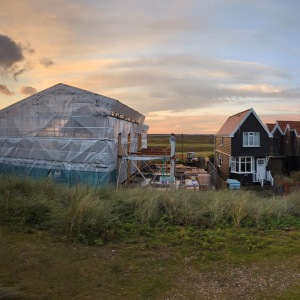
x=146, y=158
x=69, y=134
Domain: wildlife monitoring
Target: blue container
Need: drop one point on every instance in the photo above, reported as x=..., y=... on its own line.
x=234, y=184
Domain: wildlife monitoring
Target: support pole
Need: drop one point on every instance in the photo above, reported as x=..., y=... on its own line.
x=172, y=140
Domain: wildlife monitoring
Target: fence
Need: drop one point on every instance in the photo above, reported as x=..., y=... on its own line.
x=216, y=180
x=289, y=187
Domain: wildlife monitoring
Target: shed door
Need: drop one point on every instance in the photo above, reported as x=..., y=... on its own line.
x=261, y=168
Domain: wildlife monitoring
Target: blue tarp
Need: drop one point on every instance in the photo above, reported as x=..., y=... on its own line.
x=69, y=177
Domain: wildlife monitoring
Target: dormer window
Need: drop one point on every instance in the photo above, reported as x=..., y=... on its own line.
x=251, y=139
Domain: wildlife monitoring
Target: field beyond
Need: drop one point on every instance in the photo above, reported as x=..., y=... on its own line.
x=201, y=144
x=102, y=243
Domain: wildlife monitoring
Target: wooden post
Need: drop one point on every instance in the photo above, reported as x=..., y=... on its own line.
x=182, y=148
x=128, y=153
x=119, y=158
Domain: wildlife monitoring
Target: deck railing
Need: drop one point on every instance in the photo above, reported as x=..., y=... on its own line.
x=260, y=178
x=270, y=178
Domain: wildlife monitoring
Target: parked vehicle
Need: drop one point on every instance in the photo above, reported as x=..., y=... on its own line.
x=191, y=159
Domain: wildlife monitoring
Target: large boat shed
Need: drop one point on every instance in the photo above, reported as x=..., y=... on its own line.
x=72, y=135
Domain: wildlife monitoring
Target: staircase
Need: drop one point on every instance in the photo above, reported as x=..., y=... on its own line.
x=266, y=180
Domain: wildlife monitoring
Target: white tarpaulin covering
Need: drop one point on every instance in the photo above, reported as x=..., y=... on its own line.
x=65, y=129
x=146, y=158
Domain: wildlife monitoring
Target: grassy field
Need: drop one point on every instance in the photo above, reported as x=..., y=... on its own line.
x=181, y=264
x=202, y=145
x=102, y=243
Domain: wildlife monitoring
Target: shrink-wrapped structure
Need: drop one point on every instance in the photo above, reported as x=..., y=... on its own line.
x=72, y=135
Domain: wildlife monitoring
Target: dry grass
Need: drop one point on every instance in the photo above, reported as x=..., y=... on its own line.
x=102, y=243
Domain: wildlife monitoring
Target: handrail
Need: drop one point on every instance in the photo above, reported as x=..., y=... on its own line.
x=258, y=177
x=261, y=180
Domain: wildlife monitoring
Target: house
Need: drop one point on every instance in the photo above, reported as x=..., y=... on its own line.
x=242, y=149
x=285, y=147
x=73, y=135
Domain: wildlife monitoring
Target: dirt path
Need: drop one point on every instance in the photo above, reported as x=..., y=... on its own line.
x=267, y=280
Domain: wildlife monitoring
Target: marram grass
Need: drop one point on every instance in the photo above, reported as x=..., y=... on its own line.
x=105, y=213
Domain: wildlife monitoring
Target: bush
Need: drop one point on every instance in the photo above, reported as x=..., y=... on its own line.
x=36, y=213
x=295, y=176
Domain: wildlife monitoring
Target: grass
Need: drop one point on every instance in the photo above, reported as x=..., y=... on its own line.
x=181, y=264
x=102, y=243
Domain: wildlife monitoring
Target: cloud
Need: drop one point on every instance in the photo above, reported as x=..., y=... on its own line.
x=10, y=52
x=182, y=82
x=28, y=90
x=4, y=90
x=18, y=73
x=12, y=55
x=177, y=57
x=184, y=124
x=28, y=49
x=46, y=62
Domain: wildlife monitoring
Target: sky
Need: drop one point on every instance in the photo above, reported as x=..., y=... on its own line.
x=187, y=65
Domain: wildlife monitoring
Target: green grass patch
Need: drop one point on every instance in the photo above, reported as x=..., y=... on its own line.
x=140, y=243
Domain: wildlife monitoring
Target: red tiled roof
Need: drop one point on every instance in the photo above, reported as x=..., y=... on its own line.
x=282, y=124
x=232, y=123
x=270, y=126
x=297, y=128
x=293, y=125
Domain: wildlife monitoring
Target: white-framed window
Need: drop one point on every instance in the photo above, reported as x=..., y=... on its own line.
x=251, y=139
x=220, y=160
x=222, y=141
x=242, y=164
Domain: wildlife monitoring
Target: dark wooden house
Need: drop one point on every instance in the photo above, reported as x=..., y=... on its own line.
x=285, y=147
x=242, y=149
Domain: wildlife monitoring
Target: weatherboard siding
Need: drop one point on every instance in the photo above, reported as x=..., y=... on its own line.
x=277, y=143
x=251, y=124
x=223, y=148
x=224, y=168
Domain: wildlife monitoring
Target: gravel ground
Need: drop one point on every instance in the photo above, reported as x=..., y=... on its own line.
x=244, y=282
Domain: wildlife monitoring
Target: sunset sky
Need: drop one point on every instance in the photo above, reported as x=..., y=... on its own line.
x=185, y=64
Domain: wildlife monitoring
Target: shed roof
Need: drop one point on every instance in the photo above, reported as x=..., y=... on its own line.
x=104, y=105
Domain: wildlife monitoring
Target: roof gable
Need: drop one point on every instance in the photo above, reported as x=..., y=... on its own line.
x=273, y=127
x=234, y=122
x=289, y=125
x=98, y=104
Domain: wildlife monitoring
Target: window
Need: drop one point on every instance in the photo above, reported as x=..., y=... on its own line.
x=220, y=159
x=251, y=139
x=222, y=140
x=242, y=164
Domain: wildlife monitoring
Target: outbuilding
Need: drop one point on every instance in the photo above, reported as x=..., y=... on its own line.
x=72, y=135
